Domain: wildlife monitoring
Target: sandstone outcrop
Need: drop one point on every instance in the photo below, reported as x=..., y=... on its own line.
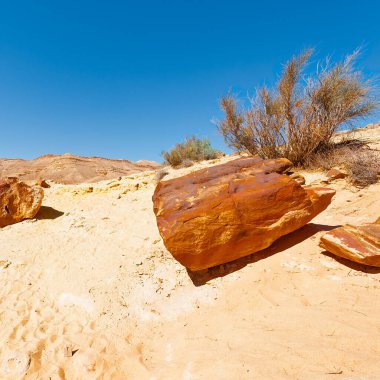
x=18, y=201
x=70, y=169
x=356, y=243
x=228, y=211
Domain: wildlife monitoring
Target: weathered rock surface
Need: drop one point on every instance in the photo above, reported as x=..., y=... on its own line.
x=335, y=173
x=299, y=178
x=225, y=212
x=357, y=243
x=71, y=169
x=18, y=201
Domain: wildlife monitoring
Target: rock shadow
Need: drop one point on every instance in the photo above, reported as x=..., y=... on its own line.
x=199, y=278
x=352, y=264
x=47, y=212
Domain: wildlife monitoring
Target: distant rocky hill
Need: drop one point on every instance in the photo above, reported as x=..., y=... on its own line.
x=71, y=169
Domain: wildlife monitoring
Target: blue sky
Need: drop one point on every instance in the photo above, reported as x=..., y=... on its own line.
x=128, y=79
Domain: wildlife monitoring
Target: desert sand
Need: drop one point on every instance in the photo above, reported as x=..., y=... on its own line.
x=88, y=291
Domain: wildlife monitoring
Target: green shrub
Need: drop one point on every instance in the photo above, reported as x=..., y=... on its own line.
x=192, y=150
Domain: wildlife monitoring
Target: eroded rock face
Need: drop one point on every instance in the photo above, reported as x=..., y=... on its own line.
x=356, y=243
x=18, y=201
x=225, y=212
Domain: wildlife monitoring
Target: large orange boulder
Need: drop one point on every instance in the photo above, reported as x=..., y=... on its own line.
x=18, y=201
x=225, y=212
x=355, y=243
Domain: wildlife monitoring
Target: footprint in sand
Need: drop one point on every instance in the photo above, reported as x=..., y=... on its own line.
x=81, y=301
x=16, y=364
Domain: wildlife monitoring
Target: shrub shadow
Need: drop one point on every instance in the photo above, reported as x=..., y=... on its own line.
x=199, y=278
x=352, y=264
x=46, y=212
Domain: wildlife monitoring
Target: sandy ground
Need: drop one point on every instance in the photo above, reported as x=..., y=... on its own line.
x=90, y=275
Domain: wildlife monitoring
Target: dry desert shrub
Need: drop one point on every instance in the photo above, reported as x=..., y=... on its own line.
x=192, y=150
x=361, y=163
x=160, y=174
x=363, y=169
x=300, y=117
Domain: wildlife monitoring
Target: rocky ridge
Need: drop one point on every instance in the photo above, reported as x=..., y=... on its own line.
x=71, y=169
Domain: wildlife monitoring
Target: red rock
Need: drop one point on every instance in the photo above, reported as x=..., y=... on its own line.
x=335, y=173
x=299, y=178
x=43, y=183
x=356, y=243
x=225, y=212
x=38, y=182
x=18, y=201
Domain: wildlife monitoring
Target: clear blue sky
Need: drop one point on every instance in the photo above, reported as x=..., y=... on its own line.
x=128, y=79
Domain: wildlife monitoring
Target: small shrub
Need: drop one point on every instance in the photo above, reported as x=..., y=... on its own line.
x=161, y=174
x=186, y=163
x=360, y=162
x=363, y=169
x=192, y=150
x=300, y=117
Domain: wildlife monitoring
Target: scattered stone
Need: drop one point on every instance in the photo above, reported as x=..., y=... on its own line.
x=43, y=184
x=335, y=173
x=18, y=201
x=356, y=243
x=219, y=214
x=68, y=351
x=4, y=264
x=299, y=178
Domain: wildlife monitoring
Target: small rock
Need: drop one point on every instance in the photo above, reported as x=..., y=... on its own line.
x=42, y=183
x=68, y=351
x=299, y=178
x=356, y=243
x=4, y=264
x=335, y=173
